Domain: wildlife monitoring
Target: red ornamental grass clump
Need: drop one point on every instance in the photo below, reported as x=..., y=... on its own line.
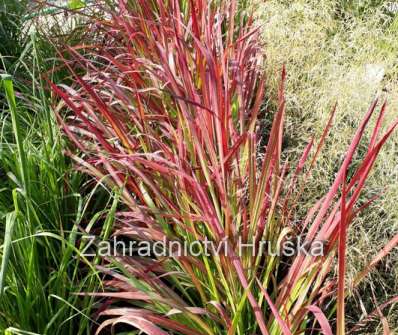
x=168, y=111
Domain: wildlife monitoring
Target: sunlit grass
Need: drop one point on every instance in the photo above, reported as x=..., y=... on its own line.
x=42, y=202
x=344, y=53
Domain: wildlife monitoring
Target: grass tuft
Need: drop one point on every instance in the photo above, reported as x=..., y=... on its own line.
x=342, y=52
x=168, y=111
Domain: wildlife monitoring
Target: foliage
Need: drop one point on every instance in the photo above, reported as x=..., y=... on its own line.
x=168, y=110
x=42, y=202
x=12, y=34
x=329, y=60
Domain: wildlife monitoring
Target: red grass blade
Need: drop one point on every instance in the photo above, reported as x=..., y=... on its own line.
x=321, y=318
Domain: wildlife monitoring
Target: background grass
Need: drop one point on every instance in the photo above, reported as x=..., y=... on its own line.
x=43, y=199
x=344, y=52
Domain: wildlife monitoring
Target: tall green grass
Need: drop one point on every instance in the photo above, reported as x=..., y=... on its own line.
x=43, y=198
x=12, y=37
x=42, y=203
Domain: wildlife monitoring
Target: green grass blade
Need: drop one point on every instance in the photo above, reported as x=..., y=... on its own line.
x=10, y=223
x=8, y=86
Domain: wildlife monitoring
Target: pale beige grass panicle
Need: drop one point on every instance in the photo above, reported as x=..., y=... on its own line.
x=349, y=61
